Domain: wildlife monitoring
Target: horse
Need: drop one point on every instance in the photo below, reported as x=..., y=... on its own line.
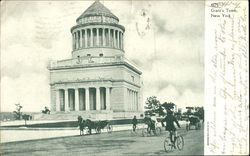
x=90, y=124
x=81, y=124
x=97, y=125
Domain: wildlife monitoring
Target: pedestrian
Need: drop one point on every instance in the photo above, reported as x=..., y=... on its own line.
x=134, y=122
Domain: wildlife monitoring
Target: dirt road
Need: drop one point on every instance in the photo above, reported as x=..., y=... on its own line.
x=117, y=143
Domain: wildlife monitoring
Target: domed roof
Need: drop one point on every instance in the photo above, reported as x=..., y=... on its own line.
x=98, y=9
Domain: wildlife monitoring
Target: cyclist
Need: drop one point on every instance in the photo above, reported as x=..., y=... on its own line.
x=147, y=121
x=153, y=122
x=170, y=119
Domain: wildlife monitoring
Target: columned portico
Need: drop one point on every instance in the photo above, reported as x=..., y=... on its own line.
x=83, y=98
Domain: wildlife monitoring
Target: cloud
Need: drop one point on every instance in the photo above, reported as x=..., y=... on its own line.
x=169, y=52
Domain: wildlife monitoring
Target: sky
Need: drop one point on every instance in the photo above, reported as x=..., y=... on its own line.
x=168, y=48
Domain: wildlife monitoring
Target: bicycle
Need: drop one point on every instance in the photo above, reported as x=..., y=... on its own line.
x=179, y=143
x=147, y=131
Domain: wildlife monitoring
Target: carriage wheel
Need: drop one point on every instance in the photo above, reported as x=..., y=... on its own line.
x=168, y=145
x=87, y=130
x=179, y=142
x=109, y=128
x=199, y=125
x=196, y=126
x=144, y=132
x=157, y=131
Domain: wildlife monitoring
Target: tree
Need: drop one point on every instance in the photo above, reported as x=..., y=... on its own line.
x=168, y=105
x=189, y=110
x=152, y=105
x=26, y=117
x=17, y=112
x=199, y=111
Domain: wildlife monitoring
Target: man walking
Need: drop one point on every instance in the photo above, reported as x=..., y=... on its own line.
x=134, y=122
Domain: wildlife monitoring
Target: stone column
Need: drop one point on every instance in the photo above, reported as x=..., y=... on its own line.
x=76, y=40
x=80, y=39
x=76, y=99
x=66, y=103
x=83, y=42
x=58, y=100
x=137, y=104
x=134, y=100
x=103, y=37
x=114, y=42
x=132, y=97
x=129, y=99
x=86, y=41
x=98, y=101
x=122, y=41
x=118, y=39
x=91, y=37
x=87, y=98
x=109, y=40
x=97, y=37
x=73, y=41
x=107, y=98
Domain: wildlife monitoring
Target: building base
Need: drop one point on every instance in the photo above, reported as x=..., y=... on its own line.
x=92, y=115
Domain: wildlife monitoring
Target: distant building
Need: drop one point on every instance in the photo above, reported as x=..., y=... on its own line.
x=98, y=81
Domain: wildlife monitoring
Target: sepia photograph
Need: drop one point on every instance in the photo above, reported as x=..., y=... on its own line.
x=102, y=78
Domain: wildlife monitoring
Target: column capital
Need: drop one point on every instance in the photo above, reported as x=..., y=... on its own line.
x=56, y=89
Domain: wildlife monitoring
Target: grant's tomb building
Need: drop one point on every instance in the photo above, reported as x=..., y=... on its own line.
x=98, y=81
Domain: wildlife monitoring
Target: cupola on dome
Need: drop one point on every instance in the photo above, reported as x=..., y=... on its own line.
x=97, y=12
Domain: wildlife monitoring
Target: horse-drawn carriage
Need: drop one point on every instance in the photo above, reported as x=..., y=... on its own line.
x=193, y=121
x=98, y=126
